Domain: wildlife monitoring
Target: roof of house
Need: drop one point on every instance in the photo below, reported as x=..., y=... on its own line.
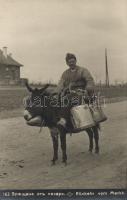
x=8, y=60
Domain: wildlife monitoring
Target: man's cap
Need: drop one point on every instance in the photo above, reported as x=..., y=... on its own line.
x=69, y=56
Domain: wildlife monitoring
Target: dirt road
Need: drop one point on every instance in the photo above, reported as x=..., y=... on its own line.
x=25, y=156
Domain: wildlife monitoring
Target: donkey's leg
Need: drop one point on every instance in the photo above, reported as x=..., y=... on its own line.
x=63, y=143
x=90, y=134
x=54, y=135
x=63, y=147
x=96, y=138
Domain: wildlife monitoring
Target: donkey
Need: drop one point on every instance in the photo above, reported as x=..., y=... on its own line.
x=52, y=114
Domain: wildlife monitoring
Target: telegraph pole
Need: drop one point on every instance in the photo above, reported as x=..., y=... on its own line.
x=106, y=69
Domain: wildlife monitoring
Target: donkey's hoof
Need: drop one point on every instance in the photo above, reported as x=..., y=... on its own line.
x=97, y=151
x=53, y=162
x=90, y=150
x=65, y=162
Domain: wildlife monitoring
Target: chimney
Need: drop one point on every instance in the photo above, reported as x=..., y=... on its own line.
x=5, y=51
x=10, y=54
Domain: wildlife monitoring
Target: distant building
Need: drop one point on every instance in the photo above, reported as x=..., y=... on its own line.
x=9, y=69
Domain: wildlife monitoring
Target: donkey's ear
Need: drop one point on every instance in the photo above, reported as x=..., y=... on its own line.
x=44, y=88
x=28, y=86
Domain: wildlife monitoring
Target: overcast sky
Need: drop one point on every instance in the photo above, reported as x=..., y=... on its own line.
x=39, y=33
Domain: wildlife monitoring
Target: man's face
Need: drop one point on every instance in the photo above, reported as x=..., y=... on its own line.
x=71, y=63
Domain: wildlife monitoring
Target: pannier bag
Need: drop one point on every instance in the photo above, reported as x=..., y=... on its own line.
x=98, y=114
x=81, y=118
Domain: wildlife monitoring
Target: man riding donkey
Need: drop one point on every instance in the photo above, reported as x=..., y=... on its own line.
x=75, y=82
x=81, y=83
x=78, y=78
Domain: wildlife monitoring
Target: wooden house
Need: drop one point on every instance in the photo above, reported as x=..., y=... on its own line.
x=9, y=69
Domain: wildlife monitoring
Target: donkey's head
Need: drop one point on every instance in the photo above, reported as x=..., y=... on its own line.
x=34, y=102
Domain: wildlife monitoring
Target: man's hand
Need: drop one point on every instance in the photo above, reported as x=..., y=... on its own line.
x=90, y=92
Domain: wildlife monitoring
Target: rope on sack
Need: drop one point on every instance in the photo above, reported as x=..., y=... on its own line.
x=41, y=126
